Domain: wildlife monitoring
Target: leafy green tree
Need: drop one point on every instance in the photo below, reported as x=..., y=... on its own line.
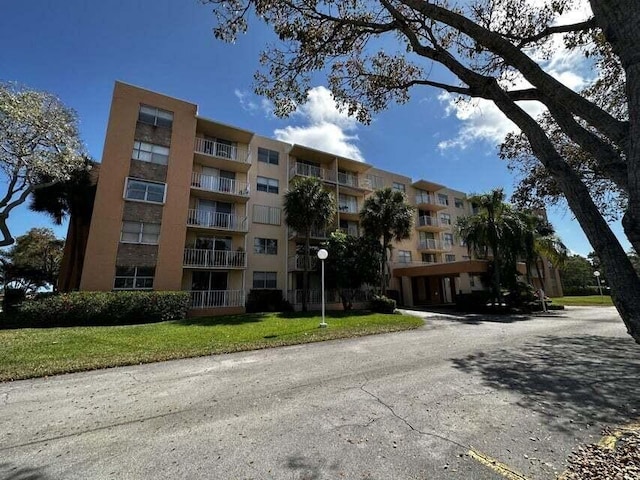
x=33, y=261
x=542, y=244
x=353, y=262
x=39, y=147
x=576, y=273
x=72, y=199
x=308, y=205
x=386, y=216
x=484, y=49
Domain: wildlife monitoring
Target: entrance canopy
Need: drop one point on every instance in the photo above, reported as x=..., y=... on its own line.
x=474, y=267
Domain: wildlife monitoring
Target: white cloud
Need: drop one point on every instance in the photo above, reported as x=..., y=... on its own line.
x=326, y=126
x=481, y=120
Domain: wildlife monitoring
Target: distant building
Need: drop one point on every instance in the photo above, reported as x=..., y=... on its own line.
x=188, y=203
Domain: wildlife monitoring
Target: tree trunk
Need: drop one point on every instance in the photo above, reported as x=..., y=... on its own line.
x=305, y=270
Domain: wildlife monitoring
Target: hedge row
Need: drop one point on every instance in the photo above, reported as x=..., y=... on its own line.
x=382, y=304
x=103, y=308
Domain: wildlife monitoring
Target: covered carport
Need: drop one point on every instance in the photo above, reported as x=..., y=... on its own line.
x=437, y=284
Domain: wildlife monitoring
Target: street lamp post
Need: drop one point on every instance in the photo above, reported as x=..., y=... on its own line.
x=597, y=275
x=322, y=255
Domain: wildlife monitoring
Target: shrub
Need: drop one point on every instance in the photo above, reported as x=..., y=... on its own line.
x=104, y=308
x=12, y=299
x=475, y=301
x=583, y=291
x=262, y=300
x=382, y=304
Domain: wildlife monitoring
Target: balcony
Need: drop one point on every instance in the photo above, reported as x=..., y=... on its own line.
x=226, y=156
x=295, y=263
x=217, y=259
x=304, y=170
x=427, y=223
x=431, y=244
x=316, y=234
x=351, y=180
x=429, y=201
x=331, y=296
x=217, y=298
x=216, y=221
x=220, y=187
x=350, y=230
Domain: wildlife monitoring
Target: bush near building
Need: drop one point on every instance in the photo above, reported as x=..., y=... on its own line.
x=101, y=308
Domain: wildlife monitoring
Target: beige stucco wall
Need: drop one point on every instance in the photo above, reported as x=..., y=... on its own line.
x=106, y=222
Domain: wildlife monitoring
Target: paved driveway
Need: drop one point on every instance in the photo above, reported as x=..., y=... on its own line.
x=438, y=402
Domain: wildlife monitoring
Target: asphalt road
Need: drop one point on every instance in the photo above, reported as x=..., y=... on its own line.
x=425, y=404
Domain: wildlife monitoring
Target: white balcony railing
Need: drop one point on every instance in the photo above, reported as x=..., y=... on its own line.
x=217, y=298
x=222, y=150
x=331, y=296
x=315, y=233
x=352, y=180
x=350, y=230
x=305, y=170
x=296, y=262
x=427, y=221
x=219, y=184
x=217, y=220
x=425, y=198
x=199, y=257
x=433, y=244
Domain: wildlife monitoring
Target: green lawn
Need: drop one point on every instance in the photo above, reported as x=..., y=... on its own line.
x=586, y=301
x=29, y=352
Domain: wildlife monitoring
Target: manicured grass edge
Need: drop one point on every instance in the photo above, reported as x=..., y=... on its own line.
x=321, y=335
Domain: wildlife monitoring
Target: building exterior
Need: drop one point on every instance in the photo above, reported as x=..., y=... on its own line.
x=188, y=203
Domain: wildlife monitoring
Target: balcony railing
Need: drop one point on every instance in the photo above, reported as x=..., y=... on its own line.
x=315, y=233
x=219, y=184
x=217, y=220
x=427, y=221
x=198, y=257
x=331, y=296
x=433, y=244
x=350, y=230
x=426, y=198
x=217, y=298
x=296, y=262
x=305, y=170
x=222, y=150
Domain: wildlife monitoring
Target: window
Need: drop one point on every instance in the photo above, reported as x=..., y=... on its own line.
x=376, y=181
x=399, y=186
x=404, y=256
x=347, y=204
x=139, y=232
x=268, y=156
x=266, y=214
x=148, y=152
x=449, y=258
x=155, y=116
x=445, y=219
x=428, y=258
x=266, y=246
x=448, y=239
x=443, y=199
x=270, y=185
x=145, y=191
x=459, y=202
x=134, y=278
x=264, y=279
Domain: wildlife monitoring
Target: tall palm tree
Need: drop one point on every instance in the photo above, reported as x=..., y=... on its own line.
x=387, y=216
x=544, y=244
x=308, y=205
x=74, y=199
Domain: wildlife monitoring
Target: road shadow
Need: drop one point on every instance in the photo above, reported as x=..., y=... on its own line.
x=587, y=377
x=9, y=472
x=480, y=318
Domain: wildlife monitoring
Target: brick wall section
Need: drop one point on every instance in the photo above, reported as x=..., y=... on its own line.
x=148, y=171
x=133, y=255
x=142, y=212
x=150, y=134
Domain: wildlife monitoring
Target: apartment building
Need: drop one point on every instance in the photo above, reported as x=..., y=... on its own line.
x=188, y=203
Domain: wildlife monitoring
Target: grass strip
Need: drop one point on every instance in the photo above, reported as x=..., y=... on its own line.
x=29, y=352
x=586, y=301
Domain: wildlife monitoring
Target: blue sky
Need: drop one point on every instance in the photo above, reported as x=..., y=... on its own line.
x=77, y=49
